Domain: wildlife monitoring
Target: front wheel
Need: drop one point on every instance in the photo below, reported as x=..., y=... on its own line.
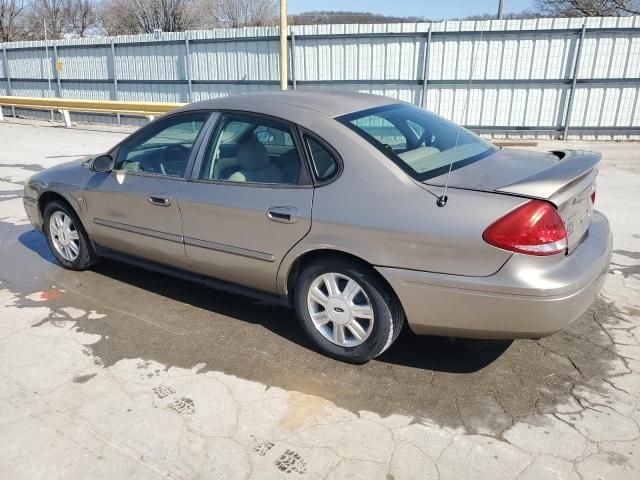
x=66, y=237
x=346, y=310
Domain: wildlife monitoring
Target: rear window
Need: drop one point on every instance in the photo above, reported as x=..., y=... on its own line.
x=421, y=143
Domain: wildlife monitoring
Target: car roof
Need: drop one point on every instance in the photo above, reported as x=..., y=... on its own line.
x=330, y=103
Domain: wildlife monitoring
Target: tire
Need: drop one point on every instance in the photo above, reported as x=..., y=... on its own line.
x=374, y=297
x=85, y=256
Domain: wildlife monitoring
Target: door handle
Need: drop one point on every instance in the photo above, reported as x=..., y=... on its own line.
x=160, y=200
x=283, y=214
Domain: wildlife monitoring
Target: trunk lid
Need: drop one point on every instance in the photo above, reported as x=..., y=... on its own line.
x=565, y=178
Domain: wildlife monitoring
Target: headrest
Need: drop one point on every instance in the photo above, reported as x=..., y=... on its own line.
x=252, y=155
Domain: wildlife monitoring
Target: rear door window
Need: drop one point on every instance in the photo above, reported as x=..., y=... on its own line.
x=252, y=149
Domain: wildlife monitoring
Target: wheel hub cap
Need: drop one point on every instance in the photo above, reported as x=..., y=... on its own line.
x=340, y=309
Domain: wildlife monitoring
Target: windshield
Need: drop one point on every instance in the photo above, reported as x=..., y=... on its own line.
x=420, y=142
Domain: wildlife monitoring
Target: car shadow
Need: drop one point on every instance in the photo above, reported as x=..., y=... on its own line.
x=440, y=354
x=444, y=354
x=36, y=242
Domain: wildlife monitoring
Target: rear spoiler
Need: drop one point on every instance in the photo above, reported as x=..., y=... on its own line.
x=571, y=165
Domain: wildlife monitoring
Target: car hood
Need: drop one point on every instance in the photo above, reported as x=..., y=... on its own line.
x=79, y=164
x=522, y=172
x=81, y=161
x=68, y=175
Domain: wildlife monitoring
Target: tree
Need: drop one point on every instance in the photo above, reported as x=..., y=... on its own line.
x=144, y=16
x=588, y=8
x=80, y=17
x=166, y=15
x=10, y=12
x=119, y=17
x=115, y=18
x=49, y=12
x=243, y=13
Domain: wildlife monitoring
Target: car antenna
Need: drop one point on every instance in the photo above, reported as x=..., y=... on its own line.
x=441, y=201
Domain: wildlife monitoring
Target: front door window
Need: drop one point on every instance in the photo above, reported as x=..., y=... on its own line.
x=164, y=149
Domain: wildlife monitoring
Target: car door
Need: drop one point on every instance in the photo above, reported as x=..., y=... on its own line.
x=248, y=202
x=134, y=209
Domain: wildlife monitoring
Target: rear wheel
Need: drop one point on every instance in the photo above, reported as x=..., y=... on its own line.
x=66, y=237
x=346, y=310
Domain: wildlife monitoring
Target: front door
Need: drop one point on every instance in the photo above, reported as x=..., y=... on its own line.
x=134, y=208
x=248, y=202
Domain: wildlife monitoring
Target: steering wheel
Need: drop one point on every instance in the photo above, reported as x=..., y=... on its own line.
x=176, y=154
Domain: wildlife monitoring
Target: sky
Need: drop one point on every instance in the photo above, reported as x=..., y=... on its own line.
x=433, y=9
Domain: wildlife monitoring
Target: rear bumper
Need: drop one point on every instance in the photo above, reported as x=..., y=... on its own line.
x=529, y=297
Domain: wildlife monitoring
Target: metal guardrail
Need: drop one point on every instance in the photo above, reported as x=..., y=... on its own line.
x=64, y=106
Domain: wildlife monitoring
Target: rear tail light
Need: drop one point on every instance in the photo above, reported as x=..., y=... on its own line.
x=593, y=194
x=534, y=228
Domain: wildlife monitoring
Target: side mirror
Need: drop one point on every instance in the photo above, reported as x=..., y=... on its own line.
x=102, y=163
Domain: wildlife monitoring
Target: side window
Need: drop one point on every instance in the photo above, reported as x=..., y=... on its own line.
x=324, y=165
x=383, y=131
x=250, y=149
x=164, y=149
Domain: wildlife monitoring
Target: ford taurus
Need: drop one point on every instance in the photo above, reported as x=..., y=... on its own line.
x=360, y=211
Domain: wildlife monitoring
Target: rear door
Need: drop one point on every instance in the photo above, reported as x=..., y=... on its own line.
x=248, y=201
x=134, y=208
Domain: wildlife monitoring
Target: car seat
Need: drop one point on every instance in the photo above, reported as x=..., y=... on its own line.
x=255, y=165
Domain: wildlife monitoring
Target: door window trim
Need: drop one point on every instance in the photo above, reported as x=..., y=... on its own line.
x=192, y=155
x=305, y=180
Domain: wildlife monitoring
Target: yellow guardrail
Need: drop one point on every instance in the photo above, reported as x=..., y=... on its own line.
x=144, y=109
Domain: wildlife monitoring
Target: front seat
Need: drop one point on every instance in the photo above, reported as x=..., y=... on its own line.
x=255, y=165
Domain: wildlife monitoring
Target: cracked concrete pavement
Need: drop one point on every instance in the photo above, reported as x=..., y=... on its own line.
x=121, y=373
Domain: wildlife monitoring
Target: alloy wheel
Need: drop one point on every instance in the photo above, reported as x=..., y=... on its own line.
x=64, y=235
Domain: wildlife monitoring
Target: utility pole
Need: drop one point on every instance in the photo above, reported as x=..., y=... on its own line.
x=46, y=50
x=284, y=78
x=500, y=6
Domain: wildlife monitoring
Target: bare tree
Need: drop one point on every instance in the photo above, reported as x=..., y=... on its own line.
x=80, y=17
x=115, y=18
x=166, y=15
x=243, y=13
x=51, y=12
x=145, y=16
x=587, y=8
x=10, y=12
